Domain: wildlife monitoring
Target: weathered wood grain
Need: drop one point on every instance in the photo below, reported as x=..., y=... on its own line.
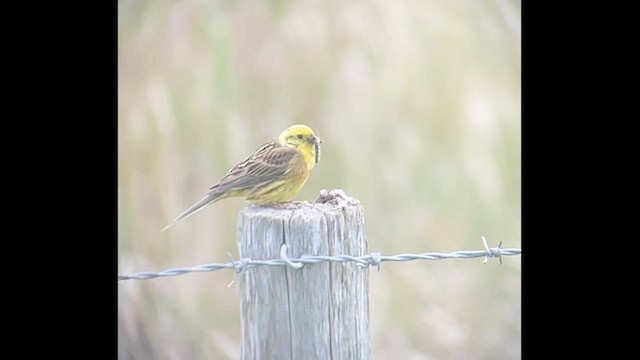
x=320, y=311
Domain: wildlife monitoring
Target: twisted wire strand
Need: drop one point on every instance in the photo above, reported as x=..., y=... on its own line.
x=372, y=259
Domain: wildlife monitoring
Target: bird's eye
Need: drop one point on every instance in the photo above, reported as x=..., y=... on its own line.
x=300, y=136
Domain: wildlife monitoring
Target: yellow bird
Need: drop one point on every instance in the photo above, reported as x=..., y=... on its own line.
x=275, y=172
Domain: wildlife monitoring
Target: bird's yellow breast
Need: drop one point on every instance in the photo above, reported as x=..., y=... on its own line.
x=286, y=187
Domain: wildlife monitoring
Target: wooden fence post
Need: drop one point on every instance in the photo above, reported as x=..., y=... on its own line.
x=320, y=311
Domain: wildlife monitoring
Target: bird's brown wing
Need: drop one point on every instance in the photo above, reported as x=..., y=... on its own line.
x=268, y=163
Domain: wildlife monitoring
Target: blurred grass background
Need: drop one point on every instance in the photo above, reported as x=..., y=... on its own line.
x=418, y=103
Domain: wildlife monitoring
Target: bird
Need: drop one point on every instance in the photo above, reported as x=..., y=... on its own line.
x=274, y=173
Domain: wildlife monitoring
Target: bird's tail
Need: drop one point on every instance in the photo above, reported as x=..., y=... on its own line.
x=209, y=199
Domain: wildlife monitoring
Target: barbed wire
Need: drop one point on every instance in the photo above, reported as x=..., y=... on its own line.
x=373, y=259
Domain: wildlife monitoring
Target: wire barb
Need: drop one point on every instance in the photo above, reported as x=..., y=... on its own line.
x=375, y=260
x=239, y=266
x=491, y=252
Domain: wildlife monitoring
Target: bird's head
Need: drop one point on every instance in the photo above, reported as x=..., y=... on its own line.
x=301, y=137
